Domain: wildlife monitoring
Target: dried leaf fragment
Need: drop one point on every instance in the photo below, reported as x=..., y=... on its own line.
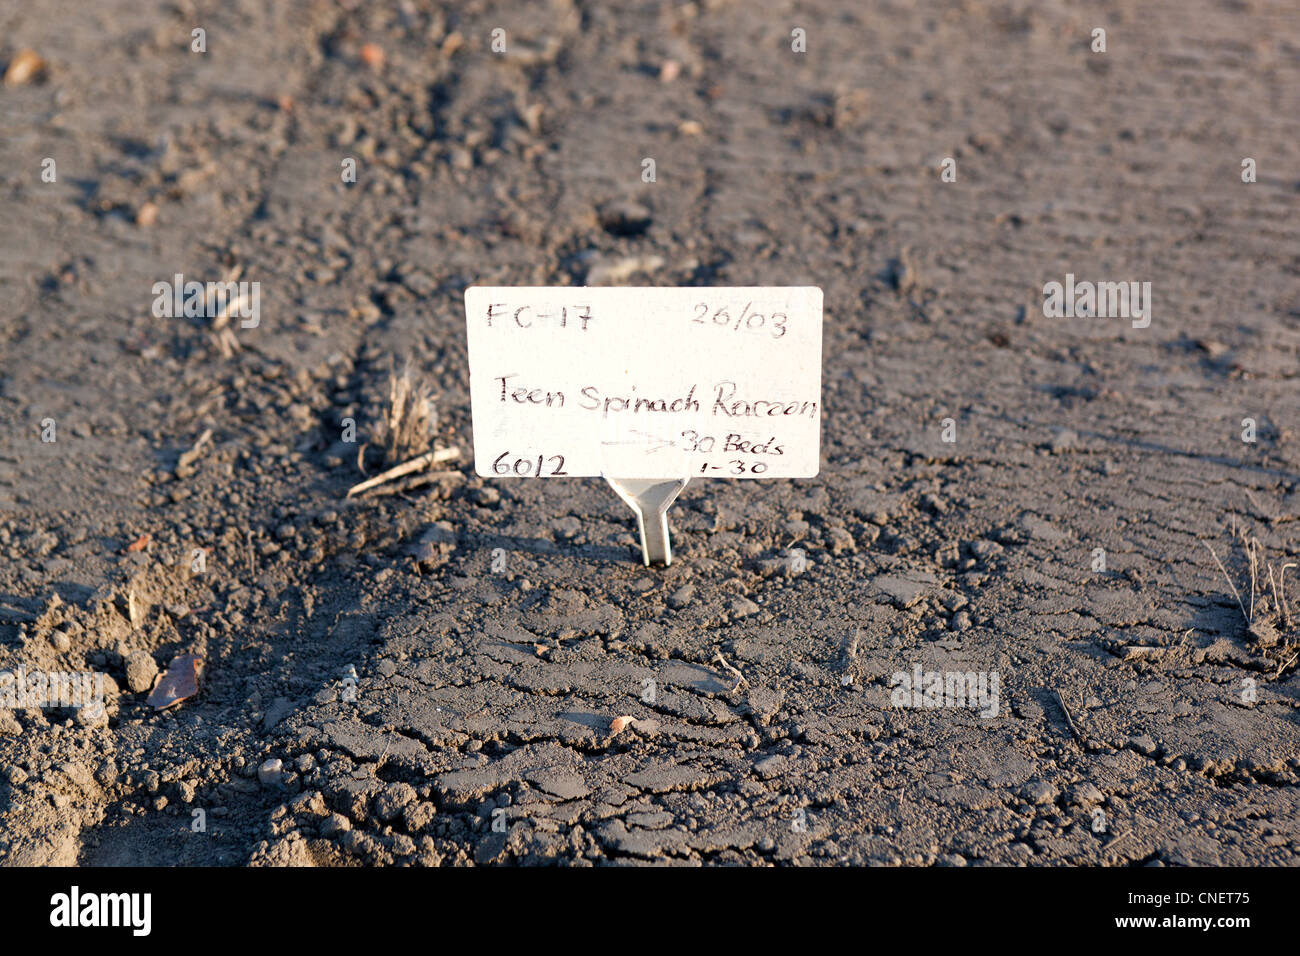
x=140, y=543
x=181, y=681
x=621, y=723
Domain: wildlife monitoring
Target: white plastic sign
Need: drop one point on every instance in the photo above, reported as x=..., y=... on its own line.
x=645, y=382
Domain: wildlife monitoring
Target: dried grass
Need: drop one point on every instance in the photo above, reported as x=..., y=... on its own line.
x=410, y=418
x=1265, y=609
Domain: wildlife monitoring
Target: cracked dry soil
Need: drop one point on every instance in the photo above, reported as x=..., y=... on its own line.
x=1132, y=697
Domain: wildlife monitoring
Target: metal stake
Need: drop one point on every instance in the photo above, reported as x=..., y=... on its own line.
x=651, y=498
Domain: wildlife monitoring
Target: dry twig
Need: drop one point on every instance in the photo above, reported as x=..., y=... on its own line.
x=406, y=468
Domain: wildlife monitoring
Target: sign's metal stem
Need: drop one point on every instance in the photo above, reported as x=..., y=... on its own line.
x=651, y=498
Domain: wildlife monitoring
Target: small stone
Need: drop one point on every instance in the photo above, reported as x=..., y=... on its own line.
x=953, y=600
x=960, y=622
x=271, y=772
x=25, y=66
x=1085, y=794
x=93, y=714
x=840, y=540
x=625, y=218
x=932, y=502
x=1039, y=792
x=743, y=607
x=568, y=527
x=611, y=271
x=1142, y=744
x=1264, y=634
x=311, y=802
x=682, y=596
x=1063, y=441
x=1029, y=710
x=335, y=823
x=770, y=766
x=141, y=671
x=902, y=592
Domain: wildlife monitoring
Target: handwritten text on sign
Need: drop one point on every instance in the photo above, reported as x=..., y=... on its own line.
x=645, y=382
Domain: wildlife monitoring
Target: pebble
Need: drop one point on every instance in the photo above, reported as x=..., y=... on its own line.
x=933, y=502
x=1039, y=792
x=25, y=66
x=612, y=271
x=840, y=540
x=743, y=607
x=567, y=527
x=1142, y=744
x=770, y=766
x=93, y=715
x=625, y=218
x=1063, y=441
x=1085, y=794
x=271, y=772
x=141, y=671
x=953, y=600
x=797, y=528
x=1029, y=710
x=335, y=823
x=682, y=596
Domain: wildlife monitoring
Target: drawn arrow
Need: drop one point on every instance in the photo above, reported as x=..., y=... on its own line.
x=654, y=441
